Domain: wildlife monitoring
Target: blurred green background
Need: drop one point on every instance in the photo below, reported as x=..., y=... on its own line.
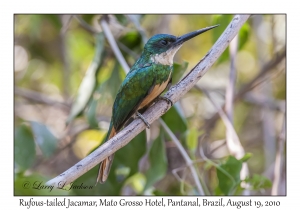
x=66, y=71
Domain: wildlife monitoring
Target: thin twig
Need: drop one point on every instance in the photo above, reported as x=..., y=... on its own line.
x=66, y=20
x=127, y=50
x=154, y=112
x=85, y=25
x=269, y=103
x=233, y=142
x=250, y=85
x=113, y=44
x=231, y=82
x=40, y=98
x=231, y=135
x=134, y=19
x=278, y=160
x=64, y=56
x=234, y=146
x=264, y=70
x=203, y=156
x=184, y=154
x=218, y=147
x=268, y=132
x=233, y=47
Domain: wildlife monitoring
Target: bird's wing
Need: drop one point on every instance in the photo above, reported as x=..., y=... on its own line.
x=136, y=86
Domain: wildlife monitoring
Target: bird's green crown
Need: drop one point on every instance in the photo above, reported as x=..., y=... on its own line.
x=160, y=43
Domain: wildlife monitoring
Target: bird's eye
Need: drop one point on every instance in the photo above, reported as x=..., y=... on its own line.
x=164, y=42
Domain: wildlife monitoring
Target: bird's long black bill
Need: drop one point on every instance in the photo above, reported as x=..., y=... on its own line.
x=190, y=35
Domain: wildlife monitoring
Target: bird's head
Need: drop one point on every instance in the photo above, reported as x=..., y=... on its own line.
x=162, y=47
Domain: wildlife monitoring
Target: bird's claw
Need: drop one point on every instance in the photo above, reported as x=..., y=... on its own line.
x=169, y=101
x=143, y=119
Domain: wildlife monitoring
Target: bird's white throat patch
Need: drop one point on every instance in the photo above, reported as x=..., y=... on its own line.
x=165, y=58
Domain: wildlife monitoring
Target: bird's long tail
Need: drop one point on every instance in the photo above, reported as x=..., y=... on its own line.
x=105, y=165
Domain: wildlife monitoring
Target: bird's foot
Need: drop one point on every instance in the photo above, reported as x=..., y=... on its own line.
x=143, y=119
x=169, y=101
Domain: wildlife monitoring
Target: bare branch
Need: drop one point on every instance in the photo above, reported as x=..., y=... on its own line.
x=266, y=102
x=279, y=159
x=64, y=19
x=231, y=135
x=113, y=44
x=264, y=70
x=40, y=98
x=85, y=25
x=154, y=112
x=268, y=118
x=186, y=157
x=233, y=143
x=128, y=51
x=249, y=86
x=135, y=20
x=232, y=78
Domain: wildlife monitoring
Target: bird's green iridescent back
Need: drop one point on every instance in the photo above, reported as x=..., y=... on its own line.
x=138, y=84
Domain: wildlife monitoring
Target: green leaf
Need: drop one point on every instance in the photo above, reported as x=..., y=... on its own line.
x=110, y=87
x=192, y=139
x=218, y=191
x=176, y=121
x=88, y=83
x=126, y=157
x=130, y=155
x=131, y=39
x=24, y=149
x=88, y=18
x=208, y=165
x=100, y=41
x=246, y=157
x=258, y=182
x=158, y=162
x=92, y=113
x=54, y=19
x=244, y=35
x=44, y=138
x=122, y=19
x=178, y=71
x=229, y=175
x=159, y=193
x=122, y=172
x=223, y=20
x=115, y=80
x=136, y=182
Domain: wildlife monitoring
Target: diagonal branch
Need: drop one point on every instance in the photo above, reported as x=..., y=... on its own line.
x=155, y=111
x=234, y=145
x=269, y=66
x=187, y=159
x=39, y=98
x=113, y=44
x=279, y=161
x=84, y=25
x=120, y=58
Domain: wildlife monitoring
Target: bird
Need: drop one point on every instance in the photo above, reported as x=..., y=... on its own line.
x=147, y=79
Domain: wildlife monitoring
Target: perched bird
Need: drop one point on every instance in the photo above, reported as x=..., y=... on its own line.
x=147, y=79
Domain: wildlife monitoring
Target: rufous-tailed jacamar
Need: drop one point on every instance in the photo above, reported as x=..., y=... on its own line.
x=146, y=80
